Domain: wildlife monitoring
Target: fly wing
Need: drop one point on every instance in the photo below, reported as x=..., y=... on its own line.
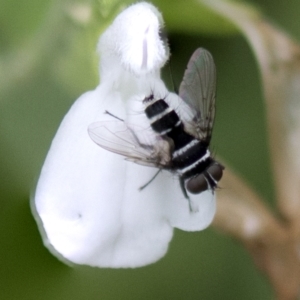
x=119, y=138
x=198, y=90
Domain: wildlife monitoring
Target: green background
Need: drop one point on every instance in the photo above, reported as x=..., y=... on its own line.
x=47, y=59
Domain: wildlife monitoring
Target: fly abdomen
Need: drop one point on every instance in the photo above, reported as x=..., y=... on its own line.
x=166, y=123
x=162, y=117
x=190, y=156
x=155, y=108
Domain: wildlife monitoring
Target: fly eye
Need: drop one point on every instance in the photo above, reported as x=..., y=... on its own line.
x=197, y=184
x=215, y=171
x=209, y=179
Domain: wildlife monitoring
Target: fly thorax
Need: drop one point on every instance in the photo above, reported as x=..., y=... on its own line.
x=192, y=160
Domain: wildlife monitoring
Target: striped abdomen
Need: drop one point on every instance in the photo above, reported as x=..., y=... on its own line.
x=190, y=156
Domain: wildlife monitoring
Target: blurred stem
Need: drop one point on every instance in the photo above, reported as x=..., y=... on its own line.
x=273, y=242
x=241, y=212
x=273, y=246
x=279, y=62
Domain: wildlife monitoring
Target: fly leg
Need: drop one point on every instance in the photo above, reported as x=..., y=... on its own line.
x=186, y=196
x=112, y=115
x=147, y=183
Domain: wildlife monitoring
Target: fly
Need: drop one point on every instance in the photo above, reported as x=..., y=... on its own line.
x=181, y=147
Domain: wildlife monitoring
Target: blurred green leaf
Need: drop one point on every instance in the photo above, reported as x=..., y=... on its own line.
x=18, y=20
x=192, y=17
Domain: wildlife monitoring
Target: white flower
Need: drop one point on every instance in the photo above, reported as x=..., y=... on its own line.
x=87, y=199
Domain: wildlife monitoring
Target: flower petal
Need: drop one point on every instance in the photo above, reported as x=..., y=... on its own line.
x=133, y=43
x=84, y=198
x=87, y=201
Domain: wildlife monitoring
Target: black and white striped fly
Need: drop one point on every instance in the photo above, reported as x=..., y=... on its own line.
x=181, y=146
